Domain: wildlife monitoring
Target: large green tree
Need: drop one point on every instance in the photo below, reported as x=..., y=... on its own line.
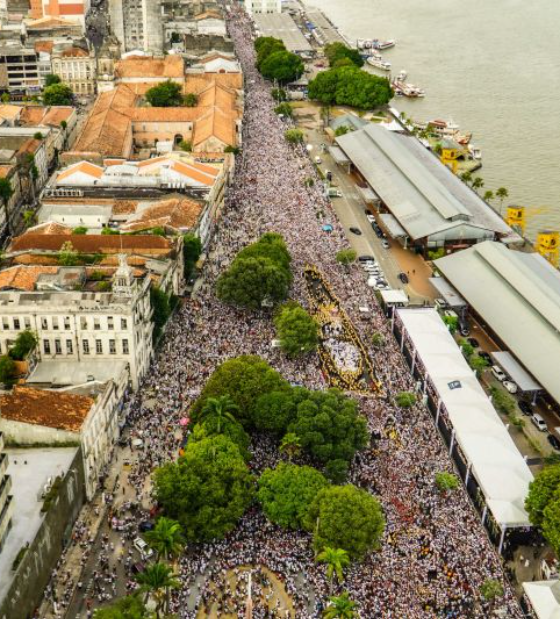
x=161, y=309
x=126, y=607
x=298, y=332
x=166, y=539
x=165, y=95
x=282, y=66
x=287, y=491
x=207, y=490
x=57, y=94
x=275, y=411
x=192, y=248
x=265, y=46
x=244, y=379
x=338, y=51
x=345, y=517
x=229, y=428
x=350, y=86
x=542, y=491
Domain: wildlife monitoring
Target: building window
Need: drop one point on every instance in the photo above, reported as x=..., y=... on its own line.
x=124, y=324
x=44, y=323
x=112, y=347
x=55, y=322
x=125, y=347
x=83, y=322
x=68, y=347
x=58, y=346
x=27, y=322
x=98, y=346
x=66, y=322
x=16, y=324
x=5, y=323
x=47, y=347
x=110, y=323
x=96, y=324
x=85, y=346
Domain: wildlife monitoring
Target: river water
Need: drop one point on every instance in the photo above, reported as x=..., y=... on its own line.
x=493, y=66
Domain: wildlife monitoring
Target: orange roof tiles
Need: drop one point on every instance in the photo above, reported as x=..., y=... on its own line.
x=44, y=46
x=10, y=112
x=75, y=52
x=58, y=410
x=57, y=114
x=83, y=167
x=90, y=243
x=23, y=278
x=5, y=170
x=173, y=213
x=50, y=228
x=170, y=66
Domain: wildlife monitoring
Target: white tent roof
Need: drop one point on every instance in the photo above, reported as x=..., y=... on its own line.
x=517, y=373
x=499, y=468
x=544, y=597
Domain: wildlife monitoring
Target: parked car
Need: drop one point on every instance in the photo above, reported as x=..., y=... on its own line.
x=403, y=277
x=381, y=286
x=142, y=547
x=525, y=407
x=498, y=373
x=318, y=160
x=146, y=526
x=485, y=356
x=510, y=386
x=364, y=258
x=355, y=230
x=464, y=329
x=386, y=244
x=538, y=421
x=370, y=218
x=553, y=441
x=334, y=193
x=473, y=342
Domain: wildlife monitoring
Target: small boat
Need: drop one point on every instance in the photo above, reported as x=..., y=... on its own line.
x=402, y=89
x=379, y=63
x=401, y=77
x=383, y=45
x=475, y=152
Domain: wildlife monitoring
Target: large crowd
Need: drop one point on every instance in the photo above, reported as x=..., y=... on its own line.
x=435, y=553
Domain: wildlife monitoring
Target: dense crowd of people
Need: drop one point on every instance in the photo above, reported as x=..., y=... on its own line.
x=435, y=554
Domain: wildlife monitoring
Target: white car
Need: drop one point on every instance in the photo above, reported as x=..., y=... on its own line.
x=142, y=547
x=370, y=218
x=381, y=286
x=510, y=386
x=498, y=373
x=538, y=421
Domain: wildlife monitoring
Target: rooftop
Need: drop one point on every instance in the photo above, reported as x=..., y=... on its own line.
x=58, y=410
x=518, y=295
x=23, y=278
x=282, y=26
x=60, y=373
x=91, y=243
x=171, y=66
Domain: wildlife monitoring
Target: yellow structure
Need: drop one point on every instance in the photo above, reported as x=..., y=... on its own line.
x=548, y=245
x=517, y=216
x=450, y=153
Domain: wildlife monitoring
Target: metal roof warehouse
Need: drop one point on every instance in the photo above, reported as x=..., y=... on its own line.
x=518, y=295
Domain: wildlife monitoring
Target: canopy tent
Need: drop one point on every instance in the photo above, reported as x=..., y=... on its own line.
x=544, y=597
x=518, y=374
x=392, y=225
x=394, y=296
x=500, y=470
x=338, y=155
x=368, y=194
x=450, y=295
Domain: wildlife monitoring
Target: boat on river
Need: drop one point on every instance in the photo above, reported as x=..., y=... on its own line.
x=379, y=63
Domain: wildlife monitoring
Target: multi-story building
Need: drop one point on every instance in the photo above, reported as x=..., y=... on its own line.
x=75, y=325
x=76, y=67
x=255, y=7
x=6, y=503
x=19, y=68
x=137, y=24
x=71, y=10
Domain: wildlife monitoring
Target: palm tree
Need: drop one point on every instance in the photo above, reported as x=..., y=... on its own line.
x=290, y=445
x=219, y=409
x=166, y=539
x=478, y=183
x=340, y=607
x=502, y=194
x=158, y=580
x=488, y=195
x=466, y=177
x=336, y=560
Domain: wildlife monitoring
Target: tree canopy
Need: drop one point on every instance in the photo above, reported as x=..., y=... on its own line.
x=192, y=248
x=244, y=379
x=57, y=94
x=265, y=46
x=259, y=274
x=544, y=489
x=345, y=517
x=282, y=66
x=25, y=342
x=274, y=411
x=287, y=492
x=298, y=332
x=52, y=78
x=350, y=86
x=207, y=490
x=165, y=95
x=337, y=51
x=126, y=607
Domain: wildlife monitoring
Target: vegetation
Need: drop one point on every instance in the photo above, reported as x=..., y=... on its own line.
x=6, y=193
x=452, y=323
x=502, y=401
x=265, y=46
x=51, y=79
x=282, y=66
x=80, y=230
x=341, y=607
x=68, y=256
x=279, y=94
x=284, y=109
x=543, y=491
x=287, y=492
x=435, y=254
x=290, y=446
x=405, y=399
x=192, y=249
x=156, y=581
x=378, y=340
x=207, y=490
x=501, y=193
x=491, y=589
x=166, y=539
x=126, y=607
x=275, y=410
x=185, y=145
x=294, y=136
x=29, y=217
x=351, y=86
x=466, y=347
x=298, y=332
x=232, y=149
x=57, y=94
x=446, y=481
x=346, y=257
x=259, y=275
x=25, y=342
x=165, y=95
x=190, y=100
x=345, y=518
x=338, y=51
x=336, y=560
x=342, y=130
x=478, y=363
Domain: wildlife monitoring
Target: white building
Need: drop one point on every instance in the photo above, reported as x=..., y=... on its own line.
x=78, y=326
x=256, y=7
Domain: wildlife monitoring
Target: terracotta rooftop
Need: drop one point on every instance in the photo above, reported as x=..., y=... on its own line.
x=85, y=167
x=75, y=52
x=57, y=114
x=171, y=66
x=174, y=213
x=23, y=278
x=5, y=170
x=45, y=408
x=10, y=112
x=90, y=243
x=32, y=115
x=50, y=228
x=44, y=46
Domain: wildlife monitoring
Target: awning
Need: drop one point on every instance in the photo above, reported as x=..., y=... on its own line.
x=544, y=597
x=338, y=155
x=394, y=296
x=518, y=374
x=449, y=294
x=368, y=194
x=392, y=225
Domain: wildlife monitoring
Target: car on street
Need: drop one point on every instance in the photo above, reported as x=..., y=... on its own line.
x=485, y=356
x=464, y=329
x=525, y=407
x=142, y=547
x=364, y=258
x=510, y=386
x=553, y=441
x=473, y=342
x=378, y=231
x=355, y=230
x=498, y=373
x=381, y=286
x=385, y=244
x=403, y=277
x=370, y=218
x=538, y=421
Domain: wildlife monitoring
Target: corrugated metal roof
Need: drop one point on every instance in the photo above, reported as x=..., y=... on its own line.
x=518, y=295
x=282, y=26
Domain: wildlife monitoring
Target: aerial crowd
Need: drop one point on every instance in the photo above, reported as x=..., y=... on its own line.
x=435, y=554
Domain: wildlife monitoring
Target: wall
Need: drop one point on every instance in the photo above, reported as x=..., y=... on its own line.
x=22, y=434
x=33, y=574
x=197, y=44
